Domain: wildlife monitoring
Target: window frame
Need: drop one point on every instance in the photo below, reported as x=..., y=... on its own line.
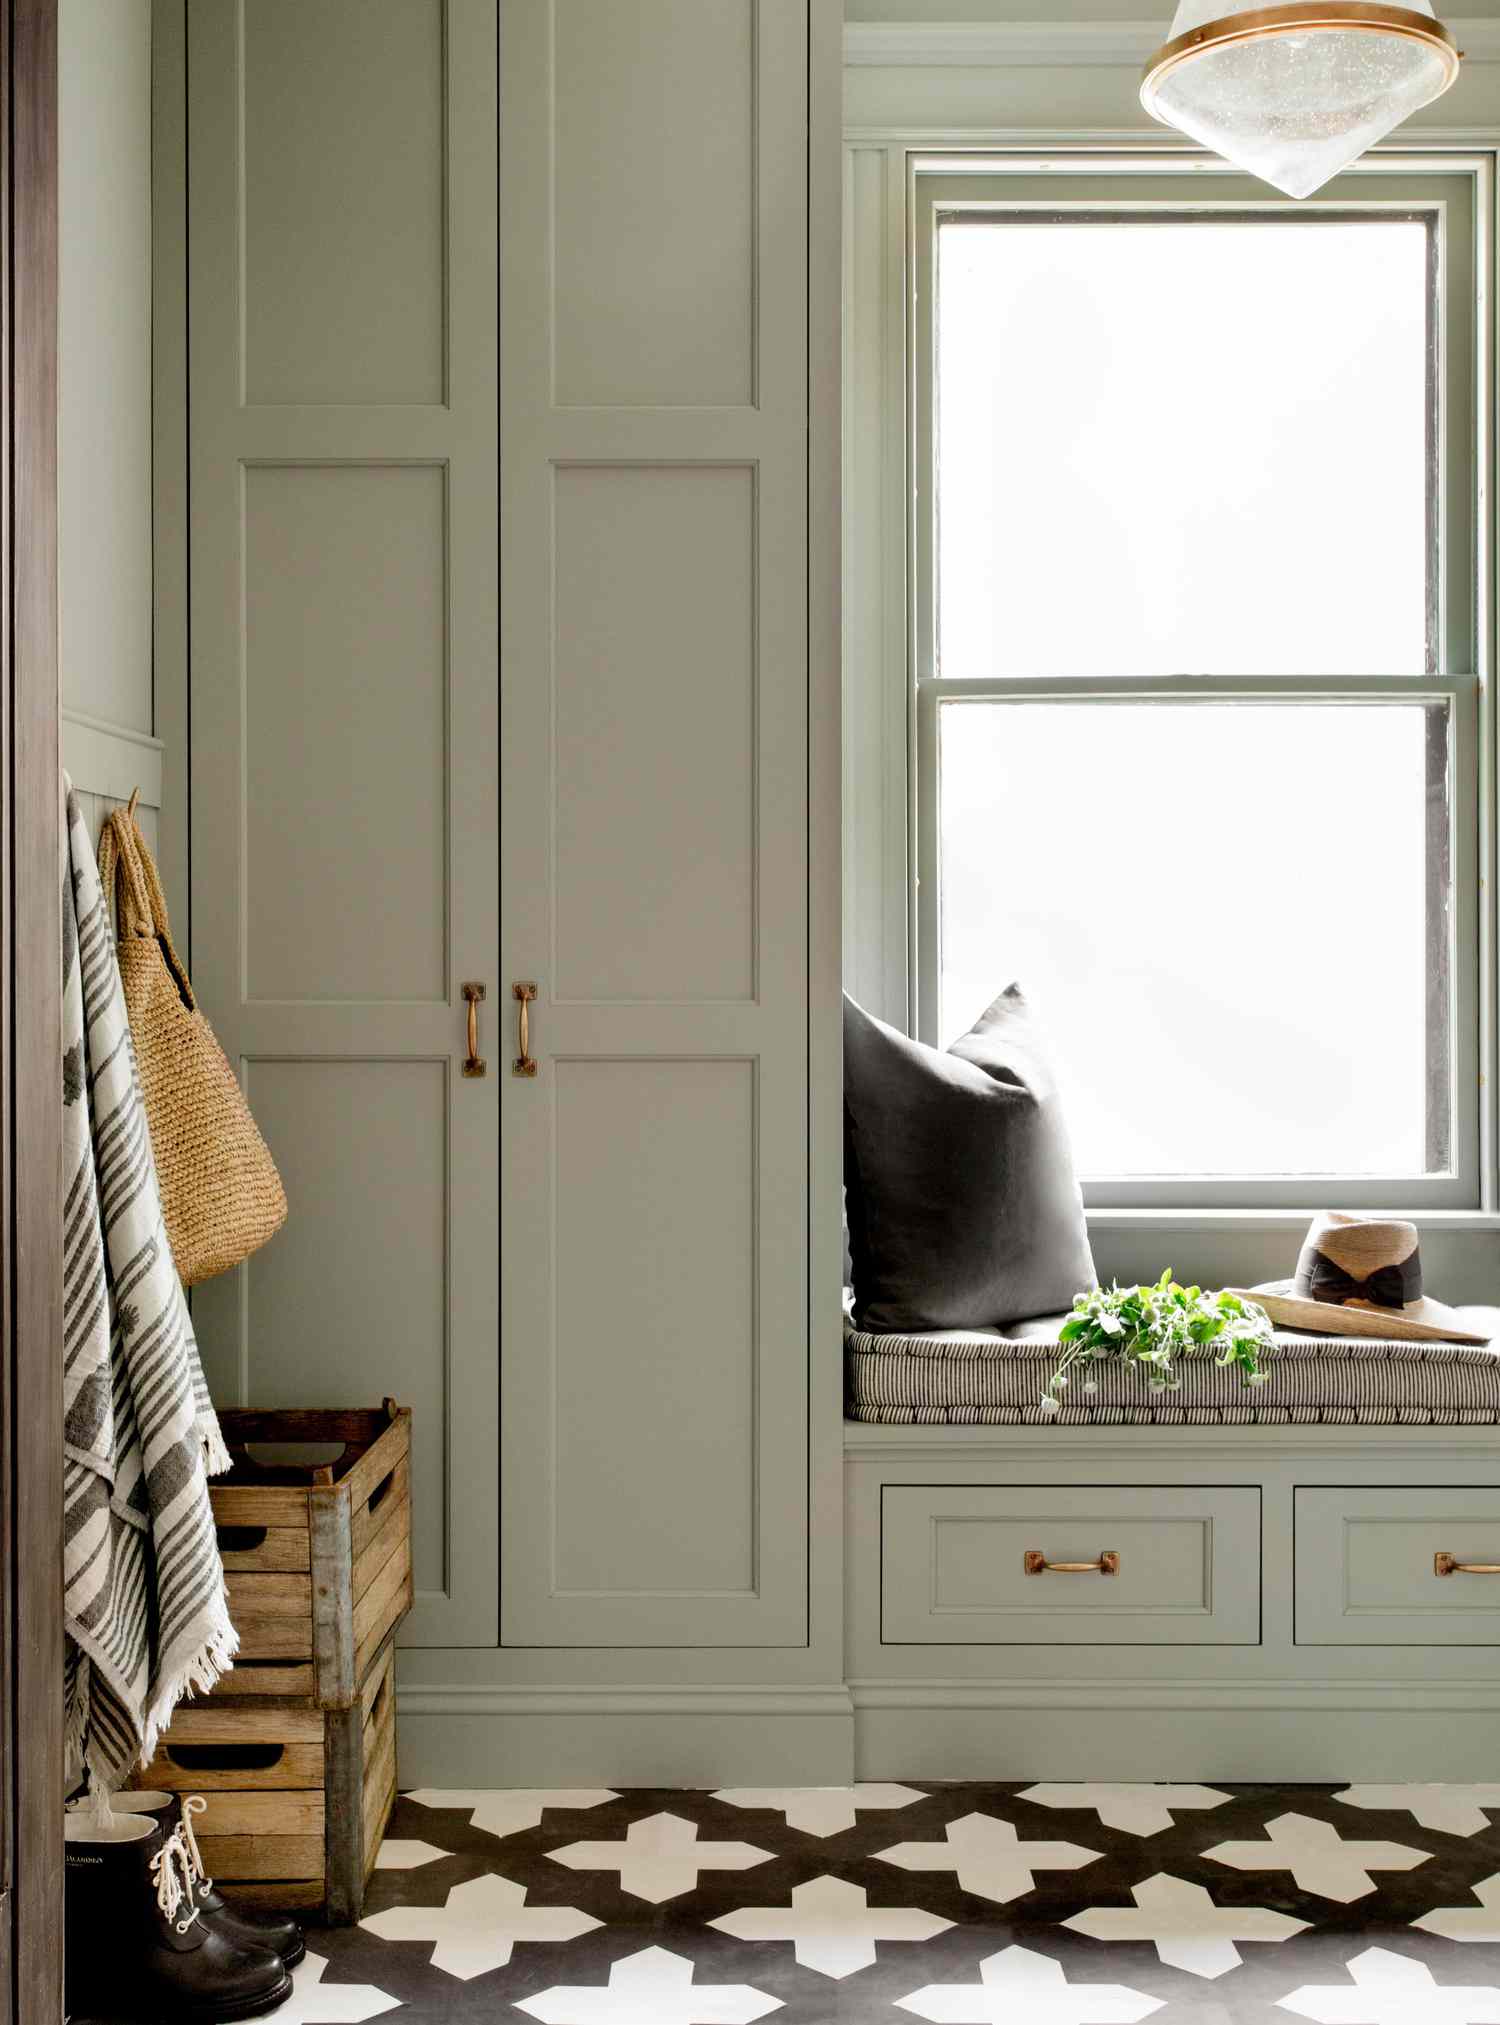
x=1453, y=193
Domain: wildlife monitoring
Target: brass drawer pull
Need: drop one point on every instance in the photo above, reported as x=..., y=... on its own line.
x=524, y=1064
x=474, y=1064
x=1038, y=1564
x=1449, y=1564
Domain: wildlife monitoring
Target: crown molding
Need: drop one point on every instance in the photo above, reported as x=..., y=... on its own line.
x=1013, y=45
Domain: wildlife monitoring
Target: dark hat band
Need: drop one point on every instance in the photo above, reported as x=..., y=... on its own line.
x=1320, y=1278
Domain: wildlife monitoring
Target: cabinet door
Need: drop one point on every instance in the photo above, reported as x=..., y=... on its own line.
x=342, y=437
x=654, y=359
x=1398, y=1566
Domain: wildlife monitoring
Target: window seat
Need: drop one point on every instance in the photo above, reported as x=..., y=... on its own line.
x=984, y=1378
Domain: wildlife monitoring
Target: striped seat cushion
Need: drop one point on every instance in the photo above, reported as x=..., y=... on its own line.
x=982, y=1378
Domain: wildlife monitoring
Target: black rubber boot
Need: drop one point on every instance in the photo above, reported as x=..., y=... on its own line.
x=137, y=1944
x=240, y=1924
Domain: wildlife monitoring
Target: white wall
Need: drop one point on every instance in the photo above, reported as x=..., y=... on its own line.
x=104, y=398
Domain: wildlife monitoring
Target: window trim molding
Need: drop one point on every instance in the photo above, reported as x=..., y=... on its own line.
x=883, y=171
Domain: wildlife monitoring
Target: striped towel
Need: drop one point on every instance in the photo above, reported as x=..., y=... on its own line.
x=145, y=1608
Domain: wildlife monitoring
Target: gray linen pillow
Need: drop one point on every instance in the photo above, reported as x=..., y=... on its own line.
x=963, y=1207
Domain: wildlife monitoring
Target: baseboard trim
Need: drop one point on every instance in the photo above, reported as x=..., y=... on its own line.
x=1277, y=1731
x=638, y=1736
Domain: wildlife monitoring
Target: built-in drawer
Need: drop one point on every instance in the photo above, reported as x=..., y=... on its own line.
x=992, y=1564
x=1398, y=1567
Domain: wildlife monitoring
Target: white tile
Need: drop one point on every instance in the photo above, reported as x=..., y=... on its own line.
x=832, y=1926
x=314, y=2002
x=820, y=1810
x=508, y=1811
x=1390, y=1989
x=1453, y=1810
x=1023, y=1988
x=660, y=1857
x=397, y=1855
x=478, y=1925
x=1319, y=1858
x=653, y=1987
x=1135, y=1810
x=1186, y=1928
x=989, y=1857
x=1467, y=1922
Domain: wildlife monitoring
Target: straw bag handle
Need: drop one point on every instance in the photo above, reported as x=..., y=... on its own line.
x=140, y=904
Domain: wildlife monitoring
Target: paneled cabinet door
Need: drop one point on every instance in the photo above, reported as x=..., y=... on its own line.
x=342, y=433
x=654, y=367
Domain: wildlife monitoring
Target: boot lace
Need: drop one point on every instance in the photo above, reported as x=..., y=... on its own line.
x=172, y=1869
x=194, y=1803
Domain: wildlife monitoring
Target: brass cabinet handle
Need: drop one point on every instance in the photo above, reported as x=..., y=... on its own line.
x=1038, y=1564
x=523, y=1065
x=1449, y=1564
x=474, y=1064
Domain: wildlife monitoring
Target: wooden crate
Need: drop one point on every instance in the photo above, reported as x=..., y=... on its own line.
x=318, y=1556
x=298, y=1796
x=295, y=1750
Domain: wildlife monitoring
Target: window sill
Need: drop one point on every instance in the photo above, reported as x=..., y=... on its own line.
x=1199, y=1219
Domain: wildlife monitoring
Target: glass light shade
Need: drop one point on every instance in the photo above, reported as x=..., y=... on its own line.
x=1296, y=93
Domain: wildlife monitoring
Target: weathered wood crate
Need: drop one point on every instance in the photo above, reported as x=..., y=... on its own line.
x=295, y=1751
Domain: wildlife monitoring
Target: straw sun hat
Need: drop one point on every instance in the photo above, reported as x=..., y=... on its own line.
x=1359, y=1276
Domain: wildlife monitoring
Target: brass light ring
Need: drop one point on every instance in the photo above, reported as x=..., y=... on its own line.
x=1253, y=23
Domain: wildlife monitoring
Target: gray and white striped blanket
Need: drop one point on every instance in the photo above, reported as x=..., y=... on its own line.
x=145, y=1608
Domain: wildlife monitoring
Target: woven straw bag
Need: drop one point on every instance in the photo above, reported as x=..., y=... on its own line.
x=221, y=1195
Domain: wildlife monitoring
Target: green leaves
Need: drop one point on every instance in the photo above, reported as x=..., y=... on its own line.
x=1152, y=1327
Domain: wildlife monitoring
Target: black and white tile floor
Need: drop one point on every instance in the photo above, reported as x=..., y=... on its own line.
x=961, y=1905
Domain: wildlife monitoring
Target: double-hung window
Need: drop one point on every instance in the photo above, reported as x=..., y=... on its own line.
x=1199, y=623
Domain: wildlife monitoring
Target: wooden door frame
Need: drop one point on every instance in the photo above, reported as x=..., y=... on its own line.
x=31, y=1635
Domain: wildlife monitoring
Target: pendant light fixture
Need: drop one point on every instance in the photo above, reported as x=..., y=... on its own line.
x=1296, y=93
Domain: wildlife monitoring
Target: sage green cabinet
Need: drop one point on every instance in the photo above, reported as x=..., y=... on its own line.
x=338, y=298
x=984, y=1564
x=1401, y=1566
x=654, y=767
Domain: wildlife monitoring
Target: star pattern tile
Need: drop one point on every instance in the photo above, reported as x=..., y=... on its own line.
x=654, y=1987
x=989, y=1857
x=1391, y=1989
x=1134, y=1810
x=819, y=1810
x=479, y=1924
x=832, y=1927
x=1319, y=1858
x=314, y=2002
x=1017, y=1985
x=405, y=1855
x=1454, y=1810
x=874, y=1904
x=660, y=1857
x=1184, y=1925
x=509, y=1813
x=1467, y=1922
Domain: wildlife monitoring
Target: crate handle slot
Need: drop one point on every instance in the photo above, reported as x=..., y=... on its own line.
x=224, y=1757
x=241, y=1539
x=270, y=1454
x=382, y=1694
x=382, y=1490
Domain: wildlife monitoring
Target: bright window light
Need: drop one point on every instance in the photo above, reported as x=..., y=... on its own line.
x=1185, y=446
x=1225, y=912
